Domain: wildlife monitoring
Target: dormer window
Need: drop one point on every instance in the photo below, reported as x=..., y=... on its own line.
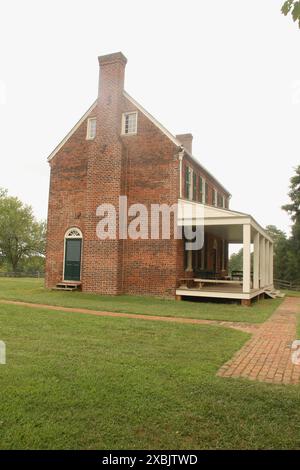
x=91, y=128
x=129, y=123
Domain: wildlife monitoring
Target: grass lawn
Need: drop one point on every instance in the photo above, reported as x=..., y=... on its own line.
x=32, y=290
x=94, y=382
x=291, y=293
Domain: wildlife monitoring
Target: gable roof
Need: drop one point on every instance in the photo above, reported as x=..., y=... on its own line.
x=153, y=120
x=172, y=138
x=74, y=129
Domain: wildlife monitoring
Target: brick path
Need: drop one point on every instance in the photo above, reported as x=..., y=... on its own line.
x=266, y=357
x=246, y=327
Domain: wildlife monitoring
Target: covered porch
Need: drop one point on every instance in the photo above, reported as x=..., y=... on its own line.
x=231, y=227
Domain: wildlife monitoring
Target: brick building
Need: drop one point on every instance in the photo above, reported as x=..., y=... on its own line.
x=118, y=149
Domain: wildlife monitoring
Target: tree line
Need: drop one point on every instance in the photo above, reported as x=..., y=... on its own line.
x=22, y=237
x=286, y=248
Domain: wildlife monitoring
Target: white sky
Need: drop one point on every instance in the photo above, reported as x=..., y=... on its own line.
x=227, y=71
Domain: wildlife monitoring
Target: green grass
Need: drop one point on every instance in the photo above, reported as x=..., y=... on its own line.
x=83, y=382
x=291, y=293
x=32, y=290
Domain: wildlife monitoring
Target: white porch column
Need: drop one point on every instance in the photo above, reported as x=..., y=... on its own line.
x=271, y=264
x=256, y=257
x=262, y=262
x=246, y=258
x=189, y=267
x=267, y=263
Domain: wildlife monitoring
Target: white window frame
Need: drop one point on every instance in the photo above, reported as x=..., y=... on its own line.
x=215, y=199
x=89, y=136
x=191, y=173
x=72, y=233
x=124, y=122
x=203, y=190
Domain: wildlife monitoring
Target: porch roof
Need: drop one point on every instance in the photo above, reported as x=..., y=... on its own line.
x=225, y=223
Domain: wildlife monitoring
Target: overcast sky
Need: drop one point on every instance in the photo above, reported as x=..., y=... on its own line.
x=226, y=71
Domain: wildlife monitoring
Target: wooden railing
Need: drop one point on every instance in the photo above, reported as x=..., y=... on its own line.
x=287, y=285
x=36, y=274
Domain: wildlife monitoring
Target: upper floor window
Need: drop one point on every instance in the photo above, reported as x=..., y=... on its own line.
x=206, y=193
x=202, y=190
x=215, y=197
x=129, y=123
x=91, y=128
x=220, y=200
x=188, y=182
x=194, y=186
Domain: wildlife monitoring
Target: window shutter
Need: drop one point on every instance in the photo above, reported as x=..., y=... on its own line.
x=187, y=182
x=194, y=186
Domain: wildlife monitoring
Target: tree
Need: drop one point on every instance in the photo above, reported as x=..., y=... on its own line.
x=293, y=7
x=236, y=261
x=281, y=253
x=293, y=209
x=21, y=236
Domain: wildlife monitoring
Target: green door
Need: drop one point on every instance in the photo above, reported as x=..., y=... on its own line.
x=72, y=259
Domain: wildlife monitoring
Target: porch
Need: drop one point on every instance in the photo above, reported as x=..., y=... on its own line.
x=232, y=227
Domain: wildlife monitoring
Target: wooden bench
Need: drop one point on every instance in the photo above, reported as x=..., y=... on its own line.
x=202, y=282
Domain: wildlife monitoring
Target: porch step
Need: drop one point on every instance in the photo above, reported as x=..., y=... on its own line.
x=274, y=293
x=67, y=286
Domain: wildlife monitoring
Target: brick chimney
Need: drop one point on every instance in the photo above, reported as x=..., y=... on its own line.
x=104, y=178
x=186, y=140
x=111, y=80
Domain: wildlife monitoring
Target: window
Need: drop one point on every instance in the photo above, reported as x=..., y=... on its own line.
x=188, y=186
x=129, y=123
x=215, y=197
x=220, y=200
x=201, y=190
x=91, y=128
x=206, y=193
x=194, y=186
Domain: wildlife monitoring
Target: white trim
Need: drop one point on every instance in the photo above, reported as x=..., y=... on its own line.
x=221, y=216
x=152, y=119
x=215, y=197
x=66, y=237
x=124, y=122
x=88, y=128
x=219, y=294
x=74, y=129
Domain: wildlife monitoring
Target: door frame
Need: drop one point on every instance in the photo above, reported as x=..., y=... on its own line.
x=73, y=233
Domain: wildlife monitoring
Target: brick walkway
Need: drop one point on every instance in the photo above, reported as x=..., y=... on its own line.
x=266, y=357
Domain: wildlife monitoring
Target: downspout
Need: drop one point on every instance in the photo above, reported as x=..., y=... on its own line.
x=180, y=158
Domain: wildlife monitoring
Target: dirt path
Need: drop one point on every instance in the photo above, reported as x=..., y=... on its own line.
x=246, y=327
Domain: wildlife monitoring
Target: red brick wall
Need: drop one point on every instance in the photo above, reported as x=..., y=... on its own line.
x=67, y=194
x=209, y=181
x=85, y=174
x=152, y=177
x=102, y=258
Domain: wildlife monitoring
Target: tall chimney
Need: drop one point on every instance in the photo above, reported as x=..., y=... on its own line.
x=104, y=178
x=186, y=140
